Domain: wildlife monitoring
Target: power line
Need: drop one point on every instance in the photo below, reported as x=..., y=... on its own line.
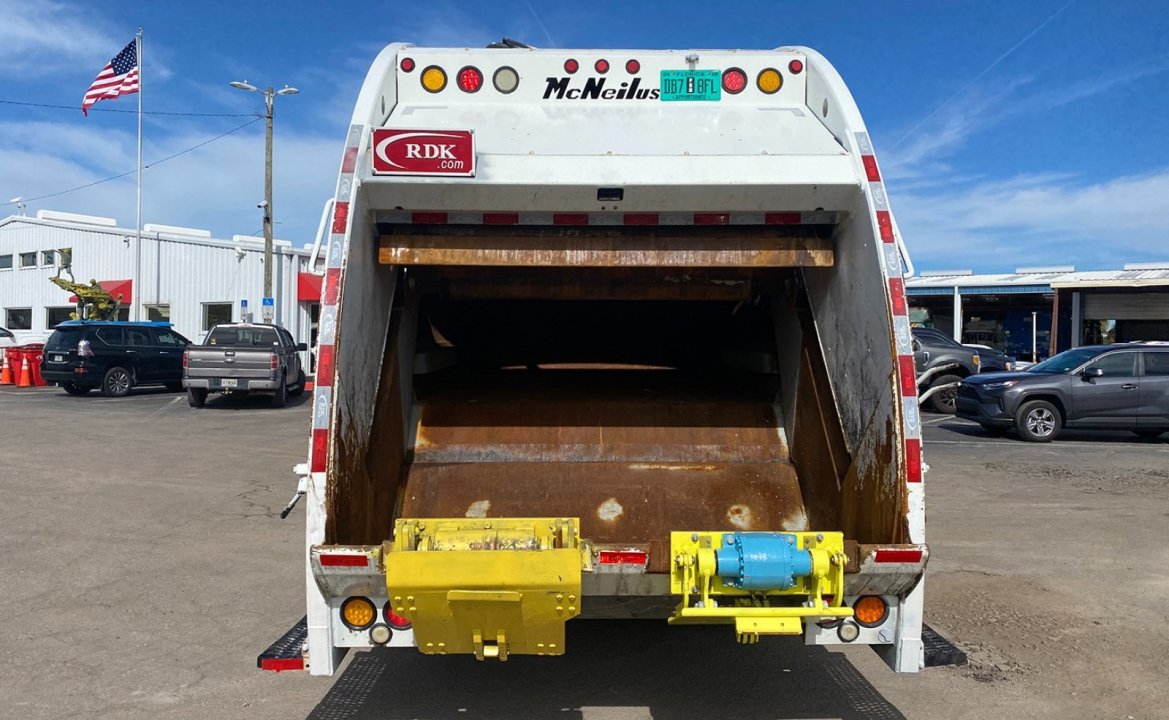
x=978, y=77
x=144, y=112
x=144, y=167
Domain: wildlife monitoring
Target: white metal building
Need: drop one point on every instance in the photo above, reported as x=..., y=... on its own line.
x=188, y=278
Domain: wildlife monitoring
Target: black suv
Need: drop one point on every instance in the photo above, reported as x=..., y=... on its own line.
x=1100, y=387
x=114, y=356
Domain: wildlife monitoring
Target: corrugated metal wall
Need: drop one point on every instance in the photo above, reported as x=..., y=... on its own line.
x=185, y=273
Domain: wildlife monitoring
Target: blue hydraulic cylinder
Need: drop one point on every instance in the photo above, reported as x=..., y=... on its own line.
x=762, y=561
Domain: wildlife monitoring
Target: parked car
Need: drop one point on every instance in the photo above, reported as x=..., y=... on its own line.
x=993, y=360
x=941, y=362
x=82, y=355
x=244, y=358
x=1101, y=387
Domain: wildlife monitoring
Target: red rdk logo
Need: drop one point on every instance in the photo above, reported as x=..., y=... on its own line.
x=424, y=152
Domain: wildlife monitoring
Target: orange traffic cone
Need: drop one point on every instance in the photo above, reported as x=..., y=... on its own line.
x=25, y=379
x=6, y=372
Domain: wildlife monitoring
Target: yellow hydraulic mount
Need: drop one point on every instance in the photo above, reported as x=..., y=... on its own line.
x=766, y=583
x=493, y=587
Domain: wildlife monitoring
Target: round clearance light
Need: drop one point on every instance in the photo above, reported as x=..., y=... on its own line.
x=795, y=67
x=505, y=80
x=470, y=79
x=571, y=66
x=849, y=631
x=433, y=79
x=407, y=65
x=380, y=634
x=601, y=66
x=632, y=67
x=395, y=620
x=769, y=81
x=734, y=80
x=870, y=610
x=358, y=613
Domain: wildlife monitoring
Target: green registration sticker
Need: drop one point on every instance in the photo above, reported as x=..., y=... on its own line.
x=691, y=85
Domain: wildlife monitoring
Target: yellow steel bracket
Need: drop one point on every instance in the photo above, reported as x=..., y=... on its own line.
x=708, y=598
x=494, y=588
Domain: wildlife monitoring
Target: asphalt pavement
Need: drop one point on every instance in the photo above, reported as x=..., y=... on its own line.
x=146, y=566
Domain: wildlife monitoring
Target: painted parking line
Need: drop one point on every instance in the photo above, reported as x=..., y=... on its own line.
x=1099, y=444
x=162, y=409
x=935, y=421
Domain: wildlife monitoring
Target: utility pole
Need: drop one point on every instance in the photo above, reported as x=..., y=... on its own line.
x=269, y=101
x=267, y=305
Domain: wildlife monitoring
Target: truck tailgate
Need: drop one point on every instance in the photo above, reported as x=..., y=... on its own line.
x=237, y=362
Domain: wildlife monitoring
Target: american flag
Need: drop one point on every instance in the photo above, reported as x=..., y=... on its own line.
x=118, y=77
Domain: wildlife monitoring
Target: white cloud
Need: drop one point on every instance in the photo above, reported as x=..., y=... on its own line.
x=41, y=38
x=215, y=187
x=1039, y=220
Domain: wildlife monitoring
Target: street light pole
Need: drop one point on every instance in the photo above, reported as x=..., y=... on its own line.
x=269, y=105
x=269, y=101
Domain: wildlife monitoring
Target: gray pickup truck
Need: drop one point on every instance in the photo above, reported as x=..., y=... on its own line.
x=244, y=358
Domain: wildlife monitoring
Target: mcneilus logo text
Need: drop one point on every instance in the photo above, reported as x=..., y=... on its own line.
x=594, y=89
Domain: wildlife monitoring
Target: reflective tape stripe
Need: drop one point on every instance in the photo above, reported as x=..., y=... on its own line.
x=908, y=375
x=898, y=555
x=897, y=295
x=913, y=460
x=885, y=225
x=435, y=217
x=332, y=286
x=429, y=218
x=325, y=365
x=349, y=161
x=340, y=216
x=322, y=399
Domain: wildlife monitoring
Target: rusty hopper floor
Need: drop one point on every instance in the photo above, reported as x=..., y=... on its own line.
x=633, y=460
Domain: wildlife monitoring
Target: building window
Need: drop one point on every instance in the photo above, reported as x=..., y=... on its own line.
x=28, y=259
x=158, y=313
x=18, y=318
x=215, y=314
x=54, y=316
x=48, y=258
x=5, y=262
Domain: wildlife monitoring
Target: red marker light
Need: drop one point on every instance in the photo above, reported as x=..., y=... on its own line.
x=602, y=66
x=632, y=67
x=795, y=67
x=470, y=79
x=734, y=80
x=571, y=66
x=393, y=619
x=407, y=64
x=340, y=560
x=626, y=557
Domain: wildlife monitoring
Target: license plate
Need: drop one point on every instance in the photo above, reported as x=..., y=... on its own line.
x=691, y=85
x=229, y=383
x=58, y=358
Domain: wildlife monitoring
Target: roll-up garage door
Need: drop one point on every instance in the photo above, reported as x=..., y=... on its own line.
x=1127, y=306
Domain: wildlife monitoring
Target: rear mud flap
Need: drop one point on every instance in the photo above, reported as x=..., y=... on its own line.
x=491, y=588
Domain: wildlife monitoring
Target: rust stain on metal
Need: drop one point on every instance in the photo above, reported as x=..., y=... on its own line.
x=696, y=247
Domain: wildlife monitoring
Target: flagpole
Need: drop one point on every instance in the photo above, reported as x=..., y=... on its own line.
x=136, y=285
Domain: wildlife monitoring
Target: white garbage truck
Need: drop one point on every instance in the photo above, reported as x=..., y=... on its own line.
x=610, y=334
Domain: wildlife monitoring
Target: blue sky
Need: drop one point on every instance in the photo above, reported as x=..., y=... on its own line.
x=1009, y=133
